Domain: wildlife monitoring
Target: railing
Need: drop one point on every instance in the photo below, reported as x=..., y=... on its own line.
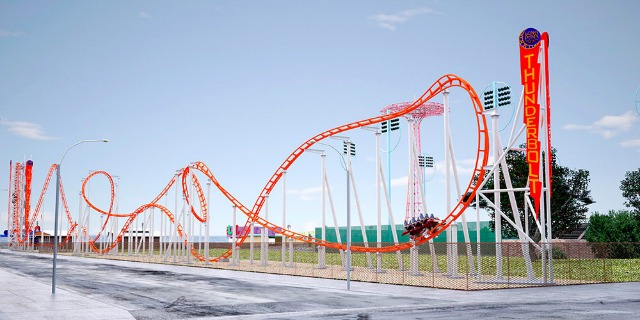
x=573, y=263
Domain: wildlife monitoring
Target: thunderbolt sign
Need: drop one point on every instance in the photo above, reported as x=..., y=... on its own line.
x=529, y=41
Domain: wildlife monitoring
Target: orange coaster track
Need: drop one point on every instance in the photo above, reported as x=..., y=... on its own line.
x=187, y=173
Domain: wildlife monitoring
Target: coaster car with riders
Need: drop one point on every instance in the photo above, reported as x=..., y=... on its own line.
x=417, y=227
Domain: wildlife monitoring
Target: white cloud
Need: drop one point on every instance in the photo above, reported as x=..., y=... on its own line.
x=608, y=126
x=391, y=21
x=306, y=194
x=465, y=168
x=631, y=143
x=27, y=130
x=145, y=15
x=6, y=33
x=402, y=181
x=576, y=127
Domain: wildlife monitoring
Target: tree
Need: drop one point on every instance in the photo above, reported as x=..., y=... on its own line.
x=620, y=230
x=630, y=187
x=569, y=189
x=616, y=226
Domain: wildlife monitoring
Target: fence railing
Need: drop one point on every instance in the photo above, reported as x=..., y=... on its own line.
x=438, y=265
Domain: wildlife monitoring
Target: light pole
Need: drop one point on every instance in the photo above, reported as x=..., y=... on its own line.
x=349, y=149
x=55, y=231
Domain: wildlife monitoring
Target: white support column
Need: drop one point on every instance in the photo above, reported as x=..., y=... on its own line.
x=496, y=188
x=145, y=227
x=77, y=249
x=322, y=249
x=516, y=212
x=465, y=228
x=234, y=252
x=284, y=216
x=290, y=250
x=185, y=227
x=42, y=232
x=478, y=246
x=200, y=237
x=116, y=224
x=101, y=238
x=137, y=235
x=162, y=224
x=335, y=219
x=392, y=223
x=545, y=121
x=151, y=232
x=547, y=205
x=264, y=244
x=251, y=241
x=172, y=242
x=379, y=205
x=362, y=226
x=88, y=219
x=189, y=223
x=130, y=242
x=447, y=181
x=207, y=223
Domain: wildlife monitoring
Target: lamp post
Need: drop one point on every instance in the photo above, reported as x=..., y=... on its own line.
x=349, y=149
x=55, y=231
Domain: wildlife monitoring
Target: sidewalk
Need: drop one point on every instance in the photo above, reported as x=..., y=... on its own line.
x=25, y=298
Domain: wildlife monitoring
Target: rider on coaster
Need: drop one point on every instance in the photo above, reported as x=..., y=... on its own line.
x=416, y=227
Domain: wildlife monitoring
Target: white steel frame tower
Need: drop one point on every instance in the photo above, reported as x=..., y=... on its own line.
x=543, y=222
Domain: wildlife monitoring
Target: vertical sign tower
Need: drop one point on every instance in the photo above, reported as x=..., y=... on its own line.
x=534, y=75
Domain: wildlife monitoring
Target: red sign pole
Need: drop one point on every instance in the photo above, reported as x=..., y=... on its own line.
x=529, y=74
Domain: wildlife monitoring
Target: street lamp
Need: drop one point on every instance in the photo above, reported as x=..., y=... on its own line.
x=349, y=149
x=55, y=231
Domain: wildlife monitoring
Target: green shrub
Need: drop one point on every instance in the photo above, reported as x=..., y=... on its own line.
x=620, y=228
x=558, y=253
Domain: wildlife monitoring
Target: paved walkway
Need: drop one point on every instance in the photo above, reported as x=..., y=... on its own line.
x=106, y=289
x=22, y=297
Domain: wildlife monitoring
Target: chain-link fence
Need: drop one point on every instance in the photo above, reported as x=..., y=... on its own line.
x=440, y=265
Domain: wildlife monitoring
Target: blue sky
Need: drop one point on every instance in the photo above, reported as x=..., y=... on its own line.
x=240, y=84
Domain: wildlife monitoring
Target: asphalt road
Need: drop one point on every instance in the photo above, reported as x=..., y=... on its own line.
x=150, y=291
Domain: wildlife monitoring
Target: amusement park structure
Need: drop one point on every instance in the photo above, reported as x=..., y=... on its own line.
x=177, y=226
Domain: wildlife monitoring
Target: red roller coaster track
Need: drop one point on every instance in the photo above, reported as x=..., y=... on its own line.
x=444, y=83
x=188, y=177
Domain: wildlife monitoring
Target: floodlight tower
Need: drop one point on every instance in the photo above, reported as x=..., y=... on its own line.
x=496, y=95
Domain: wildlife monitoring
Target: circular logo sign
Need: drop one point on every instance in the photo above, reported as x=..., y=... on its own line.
x=529, y=38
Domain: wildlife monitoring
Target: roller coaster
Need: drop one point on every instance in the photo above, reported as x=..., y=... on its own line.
x=192, y=191
x=187, y=176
